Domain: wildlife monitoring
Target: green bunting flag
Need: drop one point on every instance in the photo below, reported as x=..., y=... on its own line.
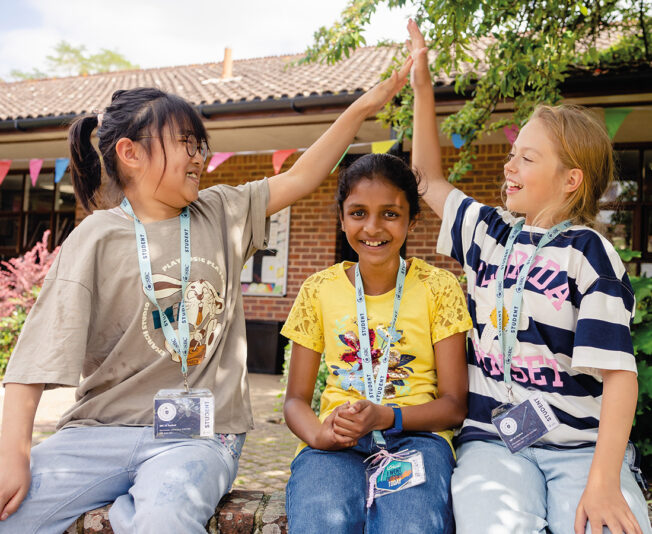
x=613, y=118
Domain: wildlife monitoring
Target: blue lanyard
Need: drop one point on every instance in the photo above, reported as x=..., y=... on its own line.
x=507, y=338
x=181, y=342
x=375, y=389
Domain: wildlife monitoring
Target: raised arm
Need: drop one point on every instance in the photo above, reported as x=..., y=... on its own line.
x=426, y=152
x=20, y=403
x=316, y=163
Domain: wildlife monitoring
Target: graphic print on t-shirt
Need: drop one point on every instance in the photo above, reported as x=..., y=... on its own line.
x=204, y=307
x=351, y=376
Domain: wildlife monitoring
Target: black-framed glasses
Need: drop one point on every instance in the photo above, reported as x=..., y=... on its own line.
x=192, y=145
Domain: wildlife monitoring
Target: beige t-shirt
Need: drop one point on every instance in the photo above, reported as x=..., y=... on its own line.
x=93, y=318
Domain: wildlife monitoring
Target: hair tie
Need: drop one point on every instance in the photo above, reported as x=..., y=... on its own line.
x=100, y=116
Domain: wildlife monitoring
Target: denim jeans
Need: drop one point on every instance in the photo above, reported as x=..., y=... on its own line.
x=159, y=486
x=535, y=490
x=327, y=491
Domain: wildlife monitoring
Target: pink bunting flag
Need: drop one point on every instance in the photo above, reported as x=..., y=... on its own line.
x=217, y=159
x=34, y=169
x=511, y=132
x=4, y=168
x=279, y=157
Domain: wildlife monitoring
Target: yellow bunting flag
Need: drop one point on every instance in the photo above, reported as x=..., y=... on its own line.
x=380, y=147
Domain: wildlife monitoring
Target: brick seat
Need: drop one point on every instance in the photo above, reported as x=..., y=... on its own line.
x=239, y=512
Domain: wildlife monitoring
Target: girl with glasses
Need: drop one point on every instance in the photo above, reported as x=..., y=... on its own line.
x=144, y=302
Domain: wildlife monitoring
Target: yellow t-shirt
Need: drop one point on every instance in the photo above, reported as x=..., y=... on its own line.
x=324, y=319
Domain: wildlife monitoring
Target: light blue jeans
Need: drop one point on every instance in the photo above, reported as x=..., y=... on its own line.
x=159, y=486
x=497, y=492
x=327, y=490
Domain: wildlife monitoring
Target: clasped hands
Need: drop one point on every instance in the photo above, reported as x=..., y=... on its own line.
x=347, y=423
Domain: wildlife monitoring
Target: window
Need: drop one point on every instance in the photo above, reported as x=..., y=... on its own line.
x=627, y=206
x=27, y=211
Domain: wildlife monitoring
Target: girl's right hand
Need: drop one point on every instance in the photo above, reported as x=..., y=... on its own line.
x=15, y=479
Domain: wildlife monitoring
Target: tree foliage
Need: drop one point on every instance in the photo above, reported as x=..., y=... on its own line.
x=69, y=60
x=529, y=47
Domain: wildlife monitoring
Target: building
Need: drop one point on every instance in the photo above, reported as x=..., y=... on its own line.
x=260, y=105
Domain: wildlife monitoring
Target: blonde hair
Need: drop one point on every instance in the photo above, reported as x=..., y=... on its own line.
x=582, y=143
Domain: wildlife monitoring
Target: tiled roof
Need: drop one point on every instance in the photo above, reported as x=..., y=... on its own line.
x=259, y=79
x=253, y=79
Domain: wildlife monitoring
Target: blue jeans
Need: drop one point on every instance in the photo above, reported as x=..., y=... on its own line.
x=535, y=490
x=158, y=486
x=327, y=490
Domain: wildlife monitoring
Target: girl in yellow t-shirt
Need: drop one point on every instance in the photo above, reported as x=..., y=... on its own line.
x=378, y=459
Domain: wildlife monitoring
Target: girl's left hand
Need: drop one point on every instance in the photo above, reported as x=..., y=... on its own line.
x=376, y=98
x=605, y=506
x=358, y=419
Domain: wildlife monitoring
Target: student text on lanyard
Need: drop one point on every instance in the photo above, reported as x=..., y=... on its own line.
x=181, y=342
x=507, y=338
x=375, y=389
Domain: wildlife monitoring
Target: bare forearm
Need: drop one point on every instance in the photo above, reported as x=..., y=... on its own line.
x=619, y=396
x=20, y=403
x=434, y=416
x=302, y=421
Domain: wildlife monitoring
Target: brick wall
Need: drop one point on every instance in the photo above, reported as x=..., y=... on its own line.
x=314, y=226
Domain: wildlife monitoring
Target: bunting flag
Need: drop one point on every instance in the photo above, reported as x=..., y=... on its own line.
x=613, y=118
x=217, y=159
x=4, y=168
x=60, y=166
x=34, y=169
x=382, y=147
x=279, y=157
x=340, y=160
x=458, y=140
x=511, y=132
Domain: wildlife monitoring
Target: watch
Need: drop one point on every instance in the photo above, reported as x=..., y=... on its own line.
x=397, y=427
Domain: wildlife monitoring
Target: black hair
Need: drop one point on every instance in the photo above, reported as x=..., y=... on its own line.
x=383, y=166
x=133, y=114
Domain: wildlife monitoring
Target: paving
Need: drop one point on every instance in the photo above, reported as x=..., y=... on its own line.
x=268, y=450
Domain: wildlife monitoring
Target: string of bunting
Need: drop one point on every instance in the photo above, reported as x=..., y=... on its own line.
x=217, y=158
x=613, y=118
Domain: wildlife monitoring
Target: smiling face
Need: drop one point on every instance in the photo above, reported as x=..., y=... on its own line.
x=376, y=218
x=172, y=178
x=534, y=176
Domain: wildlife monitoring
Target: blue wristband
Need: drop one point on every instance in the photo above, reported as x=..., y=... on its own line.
x=397, y=427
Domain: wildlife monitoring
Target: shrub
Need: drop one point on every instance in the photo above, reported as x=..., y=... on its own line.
x=642, y=339
x=21, y=279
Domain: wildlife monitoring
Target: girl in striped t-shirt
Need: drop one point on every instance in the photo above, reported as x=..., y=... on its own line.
x=552, y=376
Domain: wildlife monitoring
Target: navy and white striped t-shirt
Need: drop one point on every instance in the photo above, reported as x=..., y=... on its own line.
x=575, y=316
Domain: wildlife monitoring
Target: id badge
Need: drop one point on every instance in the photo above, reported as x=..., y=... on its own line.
x=179, y=414
x=521, y=425
x=395, y=472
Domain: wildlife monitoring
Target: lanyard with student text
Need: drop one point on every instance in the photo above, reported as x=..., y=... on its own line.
x=374, y=389
x=181, y=342
x=507, y=338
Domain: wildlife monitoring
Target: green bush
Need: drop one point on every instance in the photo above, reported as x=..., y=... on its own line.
x=10, y=327
x=642, y=339
x=320, y=382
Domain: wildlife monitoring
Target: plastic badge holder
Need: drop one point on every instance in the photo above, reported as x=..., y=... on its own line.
x=179, y=414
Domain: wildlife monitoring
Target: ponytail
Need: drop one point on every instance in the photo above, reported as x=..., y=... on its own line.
x=85, y=165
